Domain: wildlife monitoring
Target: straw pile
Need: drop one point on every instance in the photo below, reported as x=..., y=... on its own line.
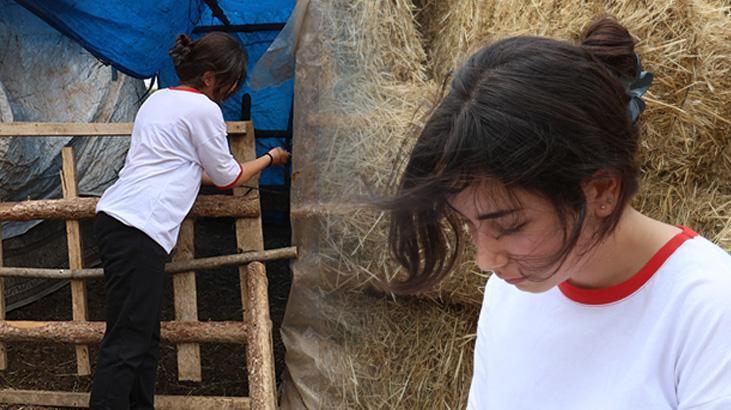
x=417, y=355
x=382, y=62
x=686, y=126
x=372, y=103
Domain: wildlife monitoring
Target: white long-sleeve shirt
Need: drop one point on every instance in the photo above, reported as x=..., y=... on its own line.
x=177, y=134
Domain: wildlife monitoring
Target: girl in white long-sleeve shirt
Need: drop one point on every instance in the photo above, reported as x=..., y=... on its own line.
x=178, y=141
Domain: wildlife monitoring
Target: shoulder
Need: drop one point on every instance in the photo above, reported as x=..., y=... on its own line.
x=699, y=265
x=700, y=284
x=196, y=105
x=697, y=279
x=184, y=102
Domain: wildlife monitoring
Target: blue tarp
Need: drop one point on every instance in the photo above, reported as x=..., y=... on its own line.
x=134, y=36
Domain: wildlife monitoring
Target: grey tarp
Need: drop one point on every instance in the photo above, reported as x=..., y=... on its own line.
x=45, y=77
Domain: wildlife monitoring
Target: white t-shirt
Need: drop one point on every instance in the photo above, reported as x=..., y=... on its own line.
x=661, y=340
x=176, y=135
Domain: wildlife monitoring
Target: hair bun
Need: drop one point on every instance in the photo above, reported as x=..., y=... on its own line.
x=182, y=48
x=609, y=42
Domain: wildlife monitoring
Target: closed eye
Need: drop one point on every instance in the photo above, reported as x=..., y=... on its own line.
x=513, y=229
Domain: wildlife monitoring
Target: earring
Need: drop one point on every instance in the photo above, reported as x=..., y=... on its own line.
x=603, y=206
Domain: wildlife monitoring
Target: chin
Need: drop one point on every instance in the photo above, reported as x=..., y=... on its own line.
x=534, y=287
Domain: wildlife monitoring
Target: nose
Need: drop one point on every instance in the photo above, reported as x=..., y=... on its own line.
x=489, y=255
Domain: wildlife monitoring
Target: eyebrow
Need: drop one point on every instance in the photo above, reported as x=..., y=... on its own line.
x=496, y=214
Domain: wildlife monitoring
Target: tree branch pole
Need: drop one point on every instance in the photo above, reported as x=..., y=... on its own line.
x=173, y=267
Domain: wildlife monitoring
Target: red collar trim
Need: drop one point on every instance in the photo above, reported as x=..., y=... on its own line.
x=180, y=88
x=620, y=291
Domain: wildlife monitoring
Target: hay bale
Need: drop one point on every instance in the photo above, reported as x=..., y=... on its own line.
x=355, y=257
x=375, y=74
x=370, y=104
x=404, y=354
x=451, y=29
x=686, y=135
x=371, y=122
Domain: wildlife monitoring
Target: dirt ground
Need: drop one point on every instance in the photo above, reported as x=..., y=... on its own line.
x=52, y=367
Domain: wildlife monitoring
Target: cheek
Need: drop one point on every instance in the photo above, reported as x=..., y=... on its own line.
x=532, y=244
x=522, y=245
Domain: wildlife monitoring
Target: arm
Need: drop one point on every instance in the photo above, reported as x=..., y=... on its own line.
x=250, y=169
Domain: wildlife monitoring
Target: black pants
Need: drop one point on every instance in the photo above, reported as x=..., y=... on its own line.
x=133, y=276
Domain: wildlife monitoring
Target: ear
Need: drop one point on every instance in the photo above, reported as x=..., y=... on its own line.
x=208, y=78
x=601, y=192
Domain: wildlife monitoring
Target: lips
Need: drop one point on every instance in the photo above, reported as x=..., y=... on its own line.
x=513, y=280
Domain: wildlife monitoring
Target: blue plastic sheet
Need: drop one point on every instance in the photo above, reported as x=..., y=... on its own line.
x=134, y=36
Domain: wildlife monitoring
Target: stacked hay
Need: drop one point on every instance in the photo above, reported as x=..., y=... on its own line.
x=384, y=91
x=374, y=71
x=417, y=354
x=371, y=103
x=685, y=138
x=361, y=92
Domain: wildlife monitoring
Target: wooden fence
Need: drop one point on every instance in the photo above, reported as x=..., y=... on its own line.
x=255, y=330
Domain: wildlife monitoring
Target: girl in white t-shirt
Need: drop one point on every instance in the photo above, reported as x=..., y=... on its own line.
x=178, y=142
x=592, y=305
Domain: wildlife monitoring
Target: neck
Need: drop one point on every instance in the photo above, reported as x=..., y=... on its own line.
x=634, y=241
x=205, y=90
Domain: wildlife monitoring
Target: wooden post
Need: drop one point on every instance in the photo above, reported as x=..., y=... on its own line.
x=3, y=350
x=186, y=304
x=73, y=235
x=249, y=236
x=259, y=349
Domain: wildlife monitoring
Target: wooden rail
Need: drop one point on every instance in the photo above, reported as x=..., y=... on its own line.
x=262, y=382
x=174, y=267
x=81, y=400
x=249, y=236
x=186, y=303
x=206, y=206
x=92, y=332
x=93, y=129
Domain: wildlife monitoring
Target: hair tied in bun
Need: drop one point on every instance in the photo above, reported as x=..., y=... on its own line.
x=182, y=48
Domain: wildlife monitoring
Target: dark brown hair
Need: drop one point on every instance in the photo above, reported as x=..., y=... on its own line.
x=215, y=52
x=531, y=113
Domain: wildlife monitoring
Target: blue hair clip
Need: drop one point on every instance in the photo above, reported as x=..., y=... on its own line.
x=637, y=88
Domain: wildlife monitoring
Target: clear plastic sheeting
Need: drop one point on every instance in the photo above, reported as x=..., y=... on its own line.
x=6, y=114
x=277, y=64
x=360, y=93
x=50, y=78
x=46, y=77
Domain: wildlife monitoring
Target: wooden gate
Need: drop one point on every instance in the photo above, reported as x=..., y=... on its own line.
x=255, y=330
